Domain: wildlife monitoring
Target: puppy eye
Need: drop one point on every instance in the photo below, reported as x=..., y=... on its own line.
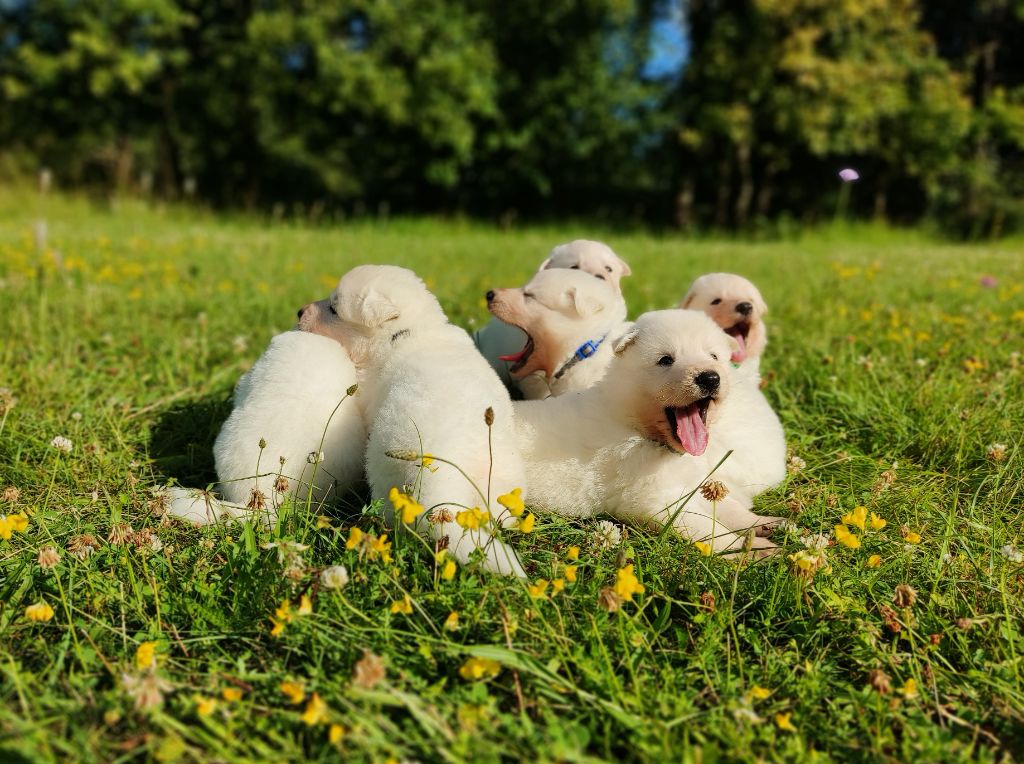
x=333, y=311
x=598, y=275
x=666, y=360
x=574, y=267
x=716, y=301
x=608, y=268
x=527, y=296
x=715, y=356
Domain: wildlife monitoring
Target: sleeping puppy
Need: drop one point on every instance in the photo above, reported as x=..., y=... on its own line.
x=567, y=318
x=634, y=445
x=293, y=431
x=751, y=428
x=425, y=390
x=498, y=339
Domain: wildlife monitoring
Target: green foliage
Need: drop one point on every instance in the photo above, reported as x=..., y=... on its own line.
x=895, y=372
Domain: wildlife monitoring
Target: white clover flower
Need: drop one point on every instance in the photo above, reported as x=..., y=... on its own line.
x=62, y=444
x=334, y=577
x=240, y=344
x=997, y=452
x=922, y=362
x=607, y=534
x=788, y=526
x=815, y=541
x=1011, y=553
x=76, y=416
x=795, y=464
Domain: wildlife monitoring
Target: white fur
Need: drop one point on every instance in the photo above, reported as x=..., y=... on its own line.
x=592, y=451
x=425, y=390
x=288, y=400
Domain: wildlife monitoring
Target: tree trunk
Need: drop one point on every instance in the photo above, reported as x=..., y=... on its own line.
x=746, y=194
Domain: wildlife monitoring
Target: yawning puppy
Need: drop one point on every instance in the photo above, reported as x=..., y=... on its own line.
x=425, y=390
x=751, y=429
x=499, y=339
x=634, y=445
x=293, y=431
x=567, y=318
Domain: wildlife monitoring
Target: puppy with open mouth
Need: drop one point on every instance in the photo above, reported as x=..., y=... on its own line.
x=498, y=340
x=425, y=389
x=634, y=445
x=751, y=428
x=567, y=318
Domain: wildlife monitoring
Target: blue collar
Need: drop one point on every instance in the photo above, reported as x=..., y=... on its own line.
x=583, y=352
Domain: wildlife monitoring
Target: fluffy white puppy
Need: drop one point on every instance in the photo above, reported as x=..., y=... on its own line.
x=498, y=339
x=294, y=430
x=751, y=428
x=425, y=390
x=567, y=318
x=633, y=445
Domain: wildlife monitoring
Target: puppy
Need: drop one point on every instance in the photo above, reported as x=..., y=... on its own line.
x=751, y=428
x=425, y=390
x=293, y=431
x=634, y=445
x=567, y=318
x=499, y=339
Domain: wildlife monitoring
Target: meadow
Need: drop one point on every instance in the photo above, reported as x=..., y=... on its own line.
x=894, y=362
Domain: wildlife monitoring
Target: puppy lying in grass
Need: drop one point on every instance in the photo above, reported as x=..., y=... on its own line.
x=567, y=318
x=425, y=390
x=750, y=427
x=294, y=431
x=634, y=444
x=498, y=340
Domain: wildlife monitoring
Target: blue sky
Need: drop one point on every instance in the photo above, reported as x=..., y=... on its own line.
x=669, y=45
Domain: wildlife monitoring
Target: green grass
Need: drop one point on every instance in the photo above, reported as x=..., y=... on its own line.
x=148, y=318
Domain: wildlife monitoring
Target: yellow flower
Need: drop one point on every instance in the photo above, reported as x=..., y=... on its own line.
x=277, y=629
x=972, y=365
x=703, y=547
x=513, y=501
x=284, y=611
x=627, y=584
x=204, y=706
x=877, y=523
x=39, y=612
x=448, y=571
x=557, y=585
x=19, y=522
x=323, y=521
x=315, y=713
x=844, y=537
x=472, y=519
x=145, y=655
x=526, y=523
x=6, y=528
x=293, y=691
x=427, y=460
x=403, y=605
x=451, y=623
x=305, y=606
x=335, y=734
x=912, y=538
x=479, y=668
x=909, y=689
x=782, y=721
x=231, y=694
x=537, y=589
x=573, y=553
x=355, y=538
x=570, y=573
x=759, y=693
x=874, y=561
x=856, y=517
x=405, y=504
x=381, y=546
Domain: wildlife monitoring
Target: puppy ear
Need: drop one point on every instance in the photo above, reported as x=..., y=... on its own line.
x=626, y=271
x=586, y=305
x=627, y=339
x=690, y=297
x=371, y=309
x=545, y=265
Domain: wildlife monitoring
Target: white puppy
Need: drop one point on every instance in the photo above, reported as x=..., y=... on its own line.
x=633, y=445
x=294, y=431
x=425, y=390
x=568, y=319
x=498, y=339
x=750, y=428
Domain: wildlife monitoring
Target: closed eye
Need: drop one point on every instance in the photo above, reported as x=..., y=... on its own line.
x=666, y=360
x=716, y=301
x=527, y=296
x=333, y=311
x=608, y=268
x=715, y=356
x=598, y=275
x=574, y=267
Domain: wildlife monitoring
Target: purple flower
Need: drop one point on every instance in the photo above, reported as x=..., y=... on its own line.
x=989, y=282
x=848, y=175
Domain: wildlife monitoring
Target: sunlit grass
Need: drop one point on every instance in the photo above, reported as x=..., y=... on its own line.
x=894, y=362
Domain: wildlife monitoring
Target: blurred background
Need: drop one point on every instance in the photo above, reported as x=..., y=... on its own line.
x=693, y=114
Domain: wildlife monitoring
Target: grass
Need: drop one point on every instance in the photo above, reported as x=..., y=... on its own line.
x=893, y=369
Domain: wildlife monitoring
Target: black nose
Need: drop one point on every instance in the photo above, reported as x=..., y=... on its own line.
x=490, y=295
x=744, y=308
x=707, y=381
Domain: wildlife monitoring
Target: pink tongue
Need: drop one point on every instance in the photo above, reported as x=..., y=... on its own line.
x=691, y=431
x=513, y=357
x=739, y=356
